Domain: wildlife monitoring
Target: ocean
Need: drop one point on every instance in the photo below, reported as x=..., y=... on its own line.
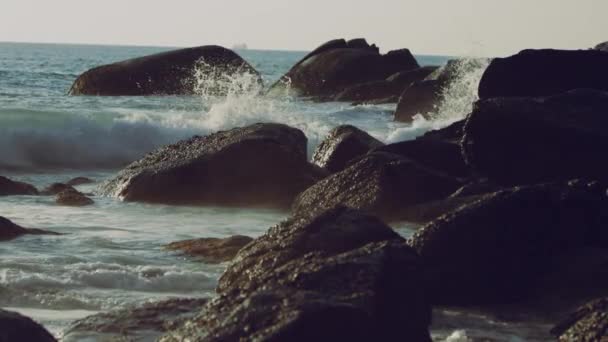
x=111, y=254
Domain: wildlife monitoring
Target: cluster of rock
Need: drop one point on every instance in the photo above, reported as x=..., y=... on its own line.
x=65, y=193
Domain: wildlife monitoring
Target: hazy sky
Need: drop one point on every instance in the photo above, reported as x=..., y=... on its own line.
x=449, y=27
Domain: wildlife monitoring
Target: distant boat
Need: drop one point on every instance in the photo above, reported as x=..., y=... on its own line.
x=241, y=46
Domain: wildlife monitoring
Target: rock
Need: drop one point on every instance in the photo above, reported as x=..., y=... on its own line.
x=497, y=249
x=428, y=211
x=535, y=73
x=343, y=144
x=329, y=233
x=602, y=47
x=140, y=323
x=589, y=323
x=9, y=188
x=56, y=188
x=166, y=73
x=15, y=327
x=79, y=181
x=10, y=231
x=476, y=187
x=337, y=65
x=258, y=165
x=212, y=250
x=379, y=183
x=452, y=133
x=514, y=141
x=73, y=198
x=391, y=88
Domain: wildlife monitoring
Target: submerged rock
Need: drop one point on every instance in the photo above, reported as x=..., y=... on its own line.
x=258, y=165
x=379, y=183
x=212, y=250
x=9, y=188
x=139, y=323
x=515, y=141
x=15, y=327
x=10, y=230
x=544, y=73
x=166, y=73
x=338, y=64
x=79, y=181
x=589, y=323
x=343, y=144
x=73, y=198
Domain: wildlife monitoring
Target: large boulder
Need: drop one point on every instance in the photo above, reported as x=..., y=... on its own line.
x=338, y=64
x=588, y=323
x=10, y=230
x=166, y=73
x=9, y=187
x=15, y=327
x=379, y=183
x=516, y=141
x=343, y=144
x=211, y=250
x=602, y=46
x=497, y=249
x=544, y=72
x=259, y=165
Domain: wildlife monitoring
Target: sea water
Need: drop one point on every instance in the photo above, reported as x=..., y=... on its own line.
x=112, y=252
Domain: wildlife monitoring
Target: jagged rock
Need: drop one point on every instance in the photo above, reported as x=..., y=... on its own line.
x=73, y=198
x=257, y=165
x=544, y=72
x=9, y=187
x=10, y=230
x=588, y=324
x=79, y=181
x=15, y=327
x=212, y=250
x=343, y=144
x=515, y=141
x=379, y=183
x=166, y=73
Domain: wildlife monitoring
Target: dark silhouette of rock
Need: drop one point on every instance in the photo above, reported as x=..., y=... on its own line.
x=452, y=133
x=139, y=323
x=602, y=47
x=10, y=230
x=515, y=141
x=15, y=327
x=56, y=188
x=476, y=187
x=212, y=250
x=258, y=165
x=337, y=65
x=79, y=181
x=379, y=183
x=73, y=198
x=497, y=249
x=343, y=144
x=588, y=323
x=9, y=187
x=166, y=73
x=544, y=72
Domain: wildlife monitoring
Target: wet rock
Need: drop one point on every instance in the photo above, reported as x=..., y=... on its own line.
x=588, y=323
x=139, y=323
x=329, y=233
x=497, y=249
x=379, y=183
x=56, y=188
x=602, y=47
x=166, y=73
x=73, y=198
x=452, y=133
x=258, y=165
x=429, y=211
x=343, y=144
x=9, y=187
x=337, y=65
x=15, y=327
x=212, y=250
x=476, y=187
x=79, y=181
x=515, y=141
x=10, y=230
x=544, y=72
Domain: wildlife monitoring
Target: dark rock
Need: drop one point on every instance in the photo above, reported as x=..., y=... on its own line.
x=212, y=250
x=79, y=181
x=335, y=66
x=167, y=73
x=10, y=231
x=476, y=187
x=343, y=144
x=602, y=47
x=544, y=72
x=140, y=323
x=332, y=232
x=515, y=141
x=452, y=133
x=589, y=323
x=380, y=183
x=358, y=43
x=56, y=188
x=73, y=198
x=391, y=88
x=257, y=165
x=429, y=211
x=421, y=97
x=15, y=327
x=497, y=249
x=9, y=188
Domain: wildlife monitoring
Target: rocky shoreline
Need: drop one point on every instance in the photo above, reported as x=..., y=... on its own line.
x=512, y=202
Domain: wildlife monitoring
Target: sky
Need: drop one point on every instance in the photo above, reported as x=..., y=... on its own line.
x=440, y=27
